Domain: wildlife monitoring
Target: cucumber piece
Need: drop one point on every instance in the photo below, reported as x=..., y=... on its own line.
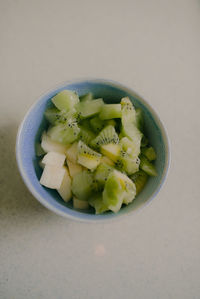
x=82, y=185
x=86, y=97
x=109, y=111
x=88, y=157
x=80, y=204
x=97, y=124
x=86, y=110
x=86, y=135
x=101, y=173
x=149, y=152
x=65, y=100
x=113, y=193
x=96, y=201
x=147, y=166
x=64, y=133
x=140, y=179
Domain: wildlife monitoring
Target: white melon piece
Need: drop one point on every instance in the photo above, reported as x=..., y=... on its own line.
x=48, y=145
x=65, y=188
x=74, y=168
x=52, y=176
x=54, y=158
x=72, y=152
x=80, y=204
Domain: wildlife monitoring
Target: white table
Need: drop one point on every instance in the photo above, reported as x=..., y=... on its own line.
x=154, y=47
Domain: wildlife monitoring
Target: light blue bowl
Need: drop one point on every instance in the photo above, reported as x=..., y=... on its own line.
x=34, y=123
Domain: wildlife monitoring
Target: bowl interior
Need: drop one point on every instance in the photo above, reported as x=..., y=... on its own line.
x=34, y=124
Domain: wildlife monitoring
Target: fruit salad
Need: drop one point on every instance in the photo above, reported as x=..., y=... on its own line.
x=93, y=153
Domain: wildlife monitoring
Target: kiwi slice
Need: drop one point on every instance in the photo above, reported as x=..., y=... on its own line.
x=86, y=135
x=147, y=166
x=86, y=97
x=106, y=136
x=149, y=152
x=102, y=172
x=96, y=201
x=140, y=179
x=88, y=157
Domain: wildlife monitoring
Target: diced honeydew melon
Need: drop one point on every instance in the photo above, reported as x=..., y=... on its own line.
x=82, y=184
x=147, y=166
x=111, y=150
x=87, y=97
x=74, y=168
x=54, y=158
x=65, y=100
x=65, y=188
x=80, y=204
x=48, y=145
x=72, y=152
x=52, y=176
x=89, y=109
x=109, y=111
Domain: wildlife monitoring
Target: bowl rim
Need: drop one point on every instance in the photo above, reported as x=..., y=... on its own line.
x=84, y=217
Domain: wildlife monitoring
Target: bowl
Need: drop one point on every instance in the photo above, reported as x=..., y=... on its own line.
x=34, y=123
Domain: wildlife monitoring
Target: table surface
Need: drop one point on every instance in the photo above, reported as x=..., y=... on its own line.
x=153, y=47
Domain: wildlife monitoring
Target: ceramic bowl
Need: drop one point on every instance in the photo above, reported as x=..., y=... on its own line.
x=34, y=124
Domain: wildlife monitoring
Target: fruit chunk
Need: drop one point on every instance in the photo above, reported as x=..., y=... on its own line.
x=54, y=158
x=86, y=97
x=97, y=124
x=111, y=150
x=82, y=185
x=107, y=161
x=109, y=111
x=128, y=110
x=39, y=150
x=86, y=135
x=139, y=120
x=101, y=173
x=64, y=133
x=129, y=147
x=65, y=188
x=80, y=204
x=147, y=166
x=42, y=165
x=128, y=187
x=74, y=168
x=149, y=152
x=113, y=193
x=87, y=110
x=87, y=157
x=107, y=135
x=48, y=145
x=96, y=201
x=127, y=164
x=139, y=178
x=65, y=100
x=72, y=152
x=52, y=176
